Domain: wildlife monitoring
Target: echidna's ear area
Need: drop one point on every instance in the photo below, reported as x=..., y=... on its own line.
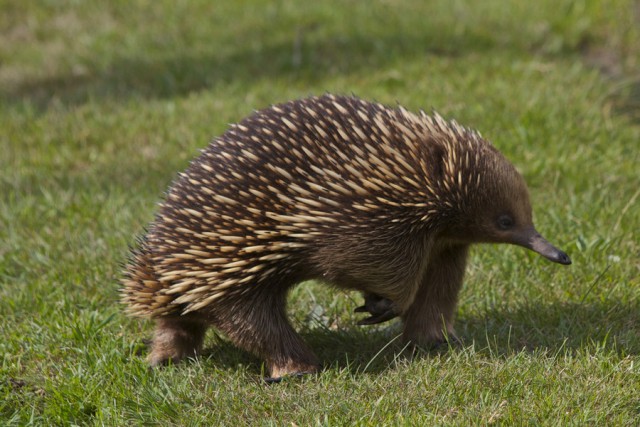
x=437, y=158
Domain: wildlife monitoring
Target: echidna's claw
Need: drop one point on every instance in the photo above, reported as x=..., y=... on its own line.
x=381, y=309
x=378, y=318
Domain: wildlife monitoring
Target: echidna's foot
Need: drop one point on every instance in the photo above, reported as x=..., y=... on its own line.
x=292, y=369
x=381, y=309
x=445, y=343
x=295, y=375
x=175, y=339
x=437, y=343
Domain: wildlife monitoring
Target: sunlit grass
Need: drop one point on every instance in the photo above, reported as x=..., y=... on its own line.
x=102, y=103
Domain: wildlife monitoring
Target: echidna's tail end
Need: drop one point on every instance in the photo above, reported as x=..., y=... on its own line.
x=140, y=286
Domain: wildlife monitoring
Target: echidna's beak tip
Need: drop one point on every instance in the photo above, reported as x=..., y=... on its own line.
x=565, y=259
x=539, y=244
x=559, y=256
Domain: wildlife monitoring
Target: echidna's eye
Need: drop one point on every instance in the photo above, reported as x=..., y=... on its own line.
x=505, y=222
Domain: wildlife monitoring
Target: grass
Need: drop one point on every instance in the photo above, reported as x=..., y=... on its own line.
x=102, y=103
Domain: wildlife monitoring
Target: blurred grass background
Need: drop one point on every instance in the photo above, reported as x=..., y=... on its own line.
x=102, y=103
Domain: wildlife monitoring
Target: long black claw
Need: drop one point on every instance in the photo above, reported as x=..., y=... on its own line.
x=377, y=318
x=380, y=308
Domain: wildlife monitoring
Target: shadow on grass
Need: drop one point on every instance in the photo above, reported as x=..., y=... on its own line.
x=301, y=57
x=627, y=99
x=608, y=325
x=556, y=328
x=357, y=350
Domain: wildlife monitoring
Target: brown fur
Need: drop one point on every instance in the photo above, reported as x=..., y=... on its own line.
x=332, y=188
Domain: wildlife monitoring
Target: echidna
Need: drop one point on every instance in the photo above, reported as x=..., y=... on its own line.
x=352, y=193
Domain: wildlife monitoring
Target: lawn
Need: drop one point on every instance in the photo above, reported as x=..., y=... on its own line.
x=103, y=103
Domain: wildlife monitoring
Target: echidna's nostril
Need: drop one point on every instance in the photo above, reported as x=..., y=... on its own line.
x=564, y=259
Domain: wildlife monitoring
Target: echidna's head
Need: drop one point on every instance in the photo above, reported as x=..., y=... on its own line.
x=499, y=210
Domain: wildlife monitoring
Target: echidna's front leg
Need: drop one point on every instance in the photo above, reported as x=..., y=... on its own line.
x=176, y=338
x=260, y=326
x=429, y=320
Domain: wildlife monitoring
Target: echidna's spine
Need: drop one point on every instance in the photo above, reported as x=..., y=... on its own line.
x=273, y=186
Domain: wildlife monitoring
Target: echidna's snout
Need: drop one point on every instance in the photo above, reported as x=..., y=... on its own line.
x=531, y=239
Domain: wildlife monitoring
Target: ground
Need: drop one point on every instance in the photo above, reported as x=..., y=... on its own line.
x=102, y=103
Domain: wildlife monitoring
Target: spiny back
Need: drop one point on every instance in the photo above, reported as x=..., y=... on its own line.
x=290, y=177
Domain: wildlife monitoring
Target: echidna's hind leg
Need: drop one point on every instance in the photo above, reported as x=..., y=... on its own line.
x=429, y=320
x=176, y=338
x=259, y=325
